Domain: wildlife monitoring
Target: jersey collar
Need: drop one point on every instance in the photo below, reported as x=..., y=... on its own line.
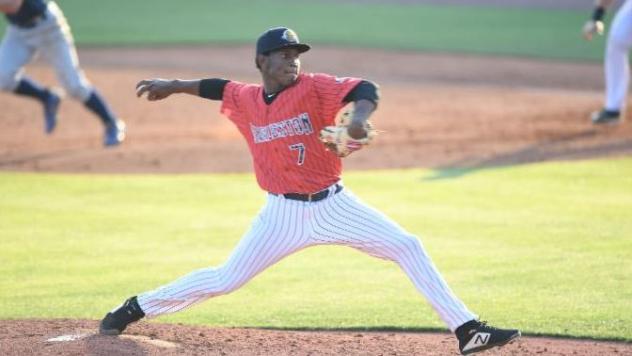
x=269, y=98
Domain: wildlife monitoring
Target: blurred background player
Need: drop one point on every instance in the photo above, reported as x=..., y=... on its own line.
x=617, y=63
x=38, y=27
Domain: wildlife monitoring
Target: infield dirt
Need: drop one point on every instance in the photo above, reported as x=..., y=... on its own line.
x=42, y=337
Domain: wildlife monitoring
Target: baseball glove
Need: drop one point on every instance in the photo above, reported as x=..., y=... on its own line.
x=337, y=140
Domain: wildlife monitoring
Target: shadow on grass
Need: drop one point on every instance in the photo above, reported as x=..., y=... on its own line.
x=381, y=328
x=38, y=157
x=558, y=148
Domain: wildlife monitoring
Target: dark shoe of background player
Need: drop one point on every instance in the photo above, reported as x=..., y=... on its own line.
x=475, y=336
x=117, y=320
x=51, y=106
x=114, y=133
x=605, y=117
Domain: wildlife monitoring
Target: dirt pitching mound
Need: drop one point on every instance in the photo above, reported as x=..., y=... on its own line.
x=78, y=337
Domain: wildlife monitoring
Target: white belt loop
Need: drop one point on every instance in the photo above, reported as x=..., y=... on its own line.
x=332, y=190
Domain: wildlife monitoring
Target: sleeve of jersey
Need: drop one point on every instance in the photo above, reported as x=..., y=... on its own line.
x=331, y=92
x=231, y=101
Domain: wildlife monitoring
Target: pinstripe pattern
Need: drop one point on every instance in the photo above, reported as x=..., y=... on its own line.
x=285, y=226
x=345, y=220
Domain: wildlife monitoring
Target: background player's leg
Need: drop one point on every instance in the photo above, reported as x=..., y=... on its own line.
x=59, y=49
x=345, y=220
x=277, y=232
x=617, y=66
x=14, y=54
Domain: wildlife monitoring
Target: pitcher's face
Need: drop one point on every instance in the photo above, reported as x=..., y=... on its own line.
x=281, y=66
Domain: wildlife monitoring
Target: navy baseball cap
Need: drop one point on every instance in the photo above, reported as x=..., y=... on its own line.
x=277, y=38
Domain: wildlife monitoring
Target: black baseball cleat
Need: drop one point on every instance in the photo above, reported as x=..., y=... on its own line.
x=117, y=320
x=605, y=117
x=475, y=336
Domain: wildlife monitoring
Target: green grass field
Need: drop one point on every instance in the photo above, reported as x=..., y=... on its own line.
x=470, y=29
x=543, y=247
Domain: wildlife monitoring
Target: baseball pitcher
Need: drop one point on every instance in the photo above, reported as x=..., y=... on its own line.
x=296, y=144
x=36, y=27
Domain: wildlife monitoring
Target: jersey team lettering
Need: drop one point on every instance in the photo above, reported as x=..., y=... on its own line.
x=296, y=126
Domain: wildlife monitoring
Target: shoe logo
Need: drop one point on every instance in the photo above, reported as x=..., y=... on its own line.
x=480, y=339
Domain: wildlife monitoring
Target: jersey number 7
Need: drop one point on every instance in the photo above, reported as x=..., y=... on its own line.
x=301, y=152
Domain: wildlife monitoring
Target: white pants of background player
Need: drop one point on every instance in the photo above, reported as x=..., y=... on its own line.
x=52, y=39
x=617, y=66
x=286, y=226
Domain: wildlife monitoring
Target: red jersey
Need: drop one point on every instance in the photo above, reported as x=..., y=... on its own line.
x=283, y=136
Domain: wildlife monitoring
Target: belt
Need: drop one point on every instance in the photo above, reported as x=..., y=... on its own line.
x=313, y=197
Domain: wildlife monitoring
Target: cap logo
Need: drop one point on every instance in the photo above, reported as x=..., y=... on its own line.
x=290, y=36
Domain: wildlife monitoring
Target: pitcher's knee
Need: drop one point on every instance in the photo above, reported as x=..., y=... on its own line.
x=222, y=287
x=408, y=242
x=215, y=281
x=401, y=247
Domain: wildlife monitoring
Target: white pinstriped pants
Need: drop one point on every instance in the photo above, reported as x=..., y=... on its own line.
x=286, y=226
